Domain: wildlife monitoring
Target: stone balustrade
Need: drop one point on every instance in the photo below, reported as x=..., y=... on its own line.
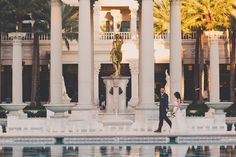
x=110, y=36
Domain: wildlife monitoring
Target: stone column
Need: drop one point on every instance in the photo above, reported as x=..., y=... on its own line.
x=213, y=37
x=96, y=15
x=146, y=73
x=56, y=53
x=17, y=151
x=85, y=73
x=116, y=19
x=96, y=82
x=17, y=67
x=56, y=151
x=175, y=49
x=133, y=22
x=134, y=84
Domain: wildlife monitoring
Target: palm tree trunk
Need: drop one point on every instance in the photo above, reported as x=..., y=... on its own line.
x=0, y=68
x=232, y=66
x=35, y=71
x=196, y=65
x=201, y=67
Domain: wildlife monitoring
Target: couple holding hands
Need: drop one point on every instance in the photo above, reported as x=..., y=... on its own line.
x=178, y=122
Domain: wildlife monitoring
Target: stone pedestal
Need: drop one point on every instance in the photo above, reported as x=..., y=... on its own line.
x=116, y=94
x=219, y=115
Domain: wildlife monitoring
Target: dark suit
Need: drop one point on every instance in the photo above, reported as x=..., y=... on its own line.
x=163, y=107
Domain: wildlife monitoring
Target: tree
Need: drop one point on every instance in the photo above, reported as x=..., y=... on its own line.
x=161, y=13
x=204, y=15
x=69, y=24
x=40, y=15
x=37, y=13
x=232, y=37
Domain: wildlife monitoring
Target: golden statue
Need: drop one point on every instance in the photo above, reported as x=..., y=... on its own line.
x=116, y=54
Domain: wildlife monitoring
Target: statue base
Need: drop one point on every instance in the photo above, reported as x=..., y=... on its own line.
x=116, y=94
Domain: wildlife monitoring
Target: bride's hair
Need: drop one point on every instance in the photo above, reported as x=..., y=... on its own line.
x=177, y=95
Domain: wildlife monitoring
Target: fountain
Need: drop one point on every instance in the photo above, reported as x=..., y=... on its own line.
x=60, y=109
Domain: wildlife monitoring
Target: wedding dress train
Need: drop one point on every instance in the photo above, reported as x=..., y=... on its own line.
x=179, y=121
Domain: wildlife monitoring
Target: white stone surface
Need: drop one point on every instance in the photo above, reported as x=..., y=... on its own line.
x=17, y=89
x=56, y=53
x=214, y=82
x=146, y=54
x=65, y=98
x=175, y=49
x=85, y=72
x=134, y=84
x=116, y=94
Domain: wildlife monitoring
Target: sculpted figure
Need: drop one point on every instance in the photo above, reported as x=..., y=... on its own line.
x=116, y=54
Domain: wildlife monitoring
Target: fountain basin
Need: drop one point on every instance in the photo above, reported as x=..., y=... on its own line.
x=13, y=108
x=59, y=109
x=219, y=106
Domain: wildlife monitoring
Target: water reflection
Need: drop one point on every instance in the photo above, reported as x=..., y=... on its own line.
x=120, y=151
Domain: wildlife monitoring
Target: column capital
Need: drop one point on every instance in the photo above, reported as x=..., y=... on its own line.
x=55, y=2
x=16, y=36
x=213, y=35
x=133, y=9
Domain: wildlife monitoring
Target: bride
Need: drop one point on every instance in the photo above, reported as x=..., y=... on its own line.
x=179, y=121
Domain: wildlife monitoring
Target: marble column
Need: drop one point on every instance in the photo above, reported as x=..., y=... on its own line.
x=116, y=20
x=213, y=37
x=134, y=84
x=133, y=22
x=85, y=72
x=96, y=82
x=56, y=53
x=175, y=49
x=146, y=57
x=17, y=89
x=17, y=151
x=56, y=151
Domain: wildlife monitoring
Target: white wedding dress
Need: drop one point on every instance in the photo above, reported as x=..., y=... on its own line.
x=179, y=121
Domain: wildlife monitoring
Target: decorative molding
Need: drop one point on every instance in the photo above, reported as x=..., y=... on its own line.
x=17, y=36
x=213, y=35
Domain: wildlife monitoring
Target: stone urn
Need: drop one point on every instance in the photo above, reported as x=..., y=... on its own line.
x=13, y=108
x=219, y=106
x=59, y=109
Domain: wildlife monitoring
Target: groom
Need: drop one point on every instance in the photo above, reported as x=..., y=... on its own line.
x=163, y=110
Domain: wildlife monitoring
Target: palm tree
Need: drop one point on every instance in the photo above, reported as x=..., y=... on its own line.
x=203, y=15
x=69, y=24
x=161, y=13
x=232, y=35
x=40, y=15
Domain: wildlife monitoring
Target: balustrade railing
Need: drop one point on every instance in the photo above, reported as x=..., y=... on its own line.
x=110, y=36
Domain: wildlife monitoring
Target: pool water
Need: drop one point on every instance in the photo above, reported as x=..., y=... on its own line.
x=120, y=151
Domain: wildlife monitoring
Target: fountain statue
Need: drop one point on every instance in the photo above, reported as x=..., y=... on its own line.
x=65, y=98
x=167, y=86
x=116, y=54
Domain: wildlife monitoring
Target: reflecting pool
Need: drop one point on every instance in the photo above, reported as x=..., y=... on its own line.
x=120, y=151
